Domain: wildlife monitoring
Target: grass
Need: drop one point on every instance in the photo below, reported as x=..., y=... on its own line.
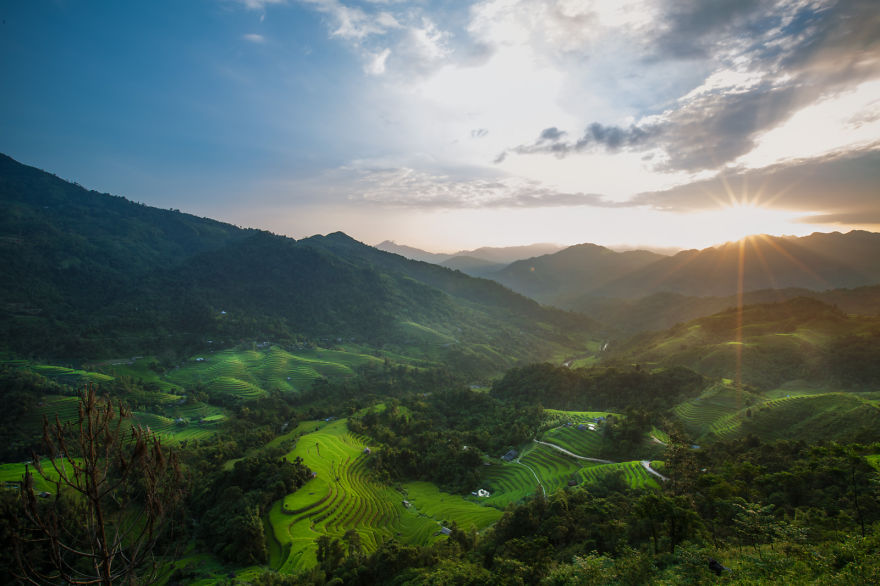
x=13, y=474
x=444, y=508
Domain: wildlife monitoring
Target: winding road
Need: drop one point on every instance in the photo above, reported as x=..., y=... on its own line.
x=573, y=455
x=647, y=466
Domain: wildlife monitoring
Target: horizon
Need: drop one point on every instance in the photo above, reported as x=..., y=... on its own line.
x=455, y=127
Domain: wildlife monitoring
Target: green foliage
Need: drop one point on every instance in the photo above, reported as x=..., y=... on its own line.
x=231, y=505
x=597, y=388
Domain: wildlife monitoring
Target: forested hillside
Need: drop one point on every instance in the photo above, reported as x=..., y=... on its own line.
x=93, y=275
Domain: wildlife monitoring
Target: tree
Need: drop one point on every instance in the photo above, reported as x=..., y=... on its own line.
x=115, y=491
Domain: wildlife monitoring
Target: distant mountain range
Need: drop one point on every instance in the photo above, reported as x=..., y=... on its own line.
x=574, y=277
x=638, y=289
x=480, y=262
x=90, y=275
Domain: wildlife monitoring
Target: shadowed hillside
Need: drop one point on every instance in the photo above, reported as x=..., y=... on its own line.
x=93, y=275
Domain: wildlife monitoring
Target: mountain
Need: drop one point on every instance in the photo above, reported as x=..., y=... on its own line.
x=509, y=254
x=411, y=252
x=475, y=267
x=92, y=275
x=480, y=262
x=553, y=278
x=640, y=290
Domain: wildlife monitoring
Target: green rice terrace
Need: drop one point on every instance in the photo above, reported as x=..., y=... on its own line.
x=252, y=373
x=342, y=496
x=566, y=455
x=723, y=412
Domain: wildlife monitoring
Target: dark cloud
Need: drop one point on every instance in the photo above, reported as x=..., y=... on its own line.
x=715, y=129
x=611, y=138
x=842, y=187
x=693, y=28
x=479, y=133
x=551, y=133
x=615, y=137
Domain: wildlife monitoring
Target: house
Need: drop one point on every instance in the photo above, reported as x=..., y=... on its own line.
x=573, y=482
x=367, y=451
x=445, y=530
x=509, y=456
x=44, y=495
x=581, y=427
x=406, y=503
x=482, y=493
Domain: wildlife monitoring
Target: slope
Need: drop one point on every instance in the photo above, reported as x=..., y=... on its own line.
x=766, y=345
x=93, y=275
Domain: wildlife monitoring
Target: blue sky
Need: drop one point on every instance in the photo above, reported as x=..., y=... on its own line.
x=450, y=125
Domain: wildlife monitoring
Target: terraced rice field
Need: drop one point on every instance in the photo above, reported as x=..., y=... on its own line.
x=508, y=482
x=427, y=499
x=12, y=474
x=65, y=407
x=583, y=442
x=173, y=432
x=633, y=472
x=721, y=414
x=699, y=414
x=250, y=374
x=70, y=376
x=553, y=467
x=342, y=497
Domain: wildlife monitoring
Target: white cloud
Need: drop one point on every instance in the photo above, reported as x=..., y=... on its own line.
x=407, y=187
x=254, y=38
x=427, y=42
x=376, y=65
x=846, y=121
x=260, y=4
x=351, y=23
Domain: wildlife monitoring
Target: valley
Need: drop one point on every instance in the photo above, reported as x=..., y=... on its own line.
x=342, y=413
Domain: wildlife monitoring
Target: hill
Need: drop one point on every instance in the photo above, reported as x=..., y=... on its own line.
x=766, y=345
x=660, y=311
x=95, y=275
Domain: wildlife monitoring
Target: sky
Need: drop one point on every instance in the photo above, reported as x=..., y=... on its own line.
x=449, y=125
